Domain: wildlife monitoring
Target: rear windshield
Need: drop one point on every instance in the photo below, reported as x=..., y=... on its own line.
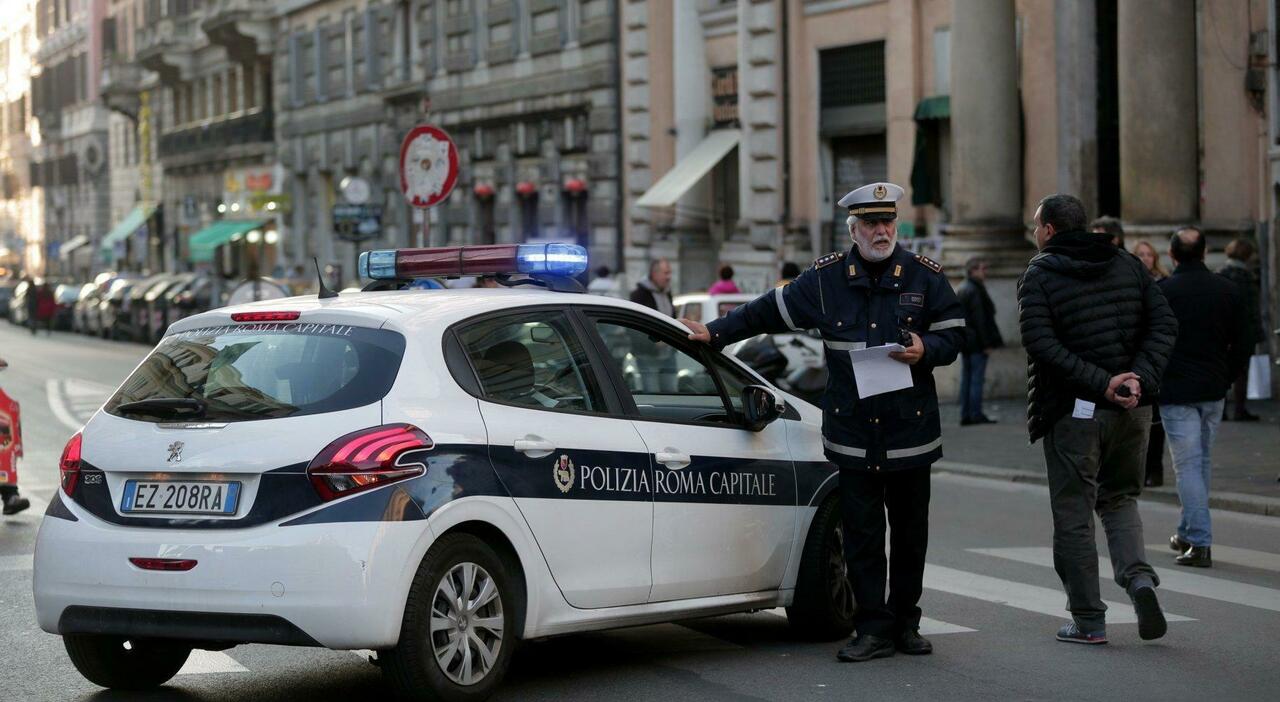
x=265, y=370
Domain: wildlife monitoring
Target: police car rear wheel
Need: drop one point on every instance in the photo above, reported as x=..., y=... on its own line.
x=823, y=607
x=459, y=625
x=121, y=663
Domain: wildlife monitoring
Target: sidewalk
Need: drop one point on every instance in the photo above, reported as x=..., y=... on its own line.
x=1246, y=456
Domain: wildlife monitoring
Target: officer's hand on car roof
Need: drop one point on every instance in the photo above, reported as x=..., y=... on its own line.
x=914, y=352
x=699, y=330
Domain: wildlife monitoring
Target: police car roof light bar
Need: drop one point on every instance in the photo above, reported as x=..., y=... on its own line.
x=453, y=261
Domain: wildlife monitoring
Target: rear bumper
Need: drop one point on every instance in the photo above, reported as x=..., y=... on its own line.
x=341, y=586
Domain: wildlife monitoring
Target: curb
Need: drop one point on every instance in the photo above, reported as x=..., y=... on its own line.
x=1230, y=501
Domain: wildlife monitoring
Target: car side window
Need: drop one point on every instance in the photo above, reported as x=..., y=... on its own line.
x=665, y=381
x=533, y=360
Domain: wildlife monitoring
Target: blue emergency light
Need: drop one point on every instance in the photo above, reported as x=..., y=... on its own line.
x=555, y=259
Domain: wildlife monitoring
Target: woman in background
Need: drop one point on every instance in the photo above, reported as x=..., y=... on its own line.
x=1155, y=446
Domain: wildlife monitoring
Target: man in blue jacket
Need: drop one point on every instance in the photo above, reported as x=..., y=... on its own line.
x=875, y=293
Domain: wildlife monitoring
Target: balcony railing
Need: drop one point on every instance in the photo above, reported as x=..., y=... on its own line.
x=251, y=128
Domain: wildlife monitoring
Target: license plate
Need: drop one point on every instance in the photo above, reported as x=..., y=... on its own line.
x=180, y=497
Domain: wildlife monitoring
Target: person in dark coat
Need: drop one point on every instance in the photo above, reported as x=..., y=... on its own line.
x=1205, y=360
x=1239, y=270
x=654, y=291
x=1098, y=334
x=981, y=337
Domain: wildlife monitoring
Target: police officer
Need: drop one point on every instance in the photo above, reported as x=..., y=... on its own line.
x=875, y=293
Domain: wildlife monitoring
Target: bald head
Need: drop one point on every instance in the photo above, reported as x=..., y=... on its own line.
x=1187, y=244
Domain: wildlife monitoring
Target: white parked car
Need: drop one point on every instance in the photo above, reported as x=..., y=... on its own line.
x=432, y=475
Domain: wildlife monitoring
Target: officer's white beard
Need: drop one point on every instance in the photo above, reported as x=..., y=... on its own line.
x=867, y=250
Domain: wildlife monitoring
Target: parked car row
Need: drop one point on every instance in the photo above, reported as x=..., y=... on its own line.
x=119, y=305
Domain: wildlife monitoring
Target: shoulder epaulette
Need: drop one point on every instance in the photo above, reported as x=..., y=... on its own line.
x=929, y=263
x=827, y=260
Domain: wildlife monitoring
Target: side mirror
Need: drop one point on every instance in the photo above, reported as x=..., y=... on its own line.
x=760, y=406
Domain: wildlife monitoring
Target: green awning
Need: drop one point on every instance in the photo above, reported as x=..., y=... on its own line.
x=127, y=226
x=936, y=107
x=203, y=242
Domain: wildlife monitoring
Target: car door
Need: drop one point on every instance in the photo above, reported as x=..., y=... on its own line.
x=724, y=497
x=576, y=467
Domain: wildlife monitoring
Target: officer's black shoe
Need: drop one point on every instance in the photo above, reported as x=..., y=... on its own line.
x=864, y=648
x=1198, y=556
x=15, y=503
x=984, y=419
x=912, y=643
x=1177, y=544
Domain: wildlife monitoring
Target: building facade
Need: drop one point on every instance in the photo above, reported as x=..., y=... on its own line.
x=527, y=89
x=20, y=231
x=70, y=144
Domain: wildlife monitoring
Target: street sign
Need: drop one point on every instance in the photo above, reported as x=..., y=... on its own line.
x=355, y=190
x=357, y=222
x=428, y=166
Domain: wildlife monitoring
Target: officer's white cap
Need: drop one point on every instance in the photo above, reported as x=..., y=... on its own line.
x=873, y=201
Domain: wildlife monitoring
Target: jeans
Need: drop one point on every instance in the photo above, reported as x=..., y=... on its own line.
x=973, y=371
x=1191, y=429
x=1096, y=465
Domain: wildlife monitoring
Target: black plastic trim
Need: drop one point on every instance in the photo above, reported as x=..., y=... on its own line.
x=206, y=627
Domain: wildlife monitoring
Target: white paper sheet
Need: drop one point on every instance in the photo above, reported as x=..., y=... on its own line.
x=1083, y=410
x=876, y=373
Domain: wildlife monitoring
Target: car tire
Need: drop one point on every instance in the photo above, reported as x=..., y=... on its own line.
x=823, y=607
x=121, y=663
x=413, y=668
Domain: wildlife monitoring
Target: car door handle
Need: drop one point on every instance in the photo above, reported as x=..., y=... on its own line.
x=672, y=459
x=534, y=446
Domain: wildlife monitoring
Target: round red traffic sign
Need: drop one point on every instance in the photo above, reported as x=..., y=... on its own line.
x=428, y=166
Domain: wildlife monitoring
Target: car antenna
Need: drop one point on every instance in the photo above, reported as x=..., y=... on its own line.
x=325, y=292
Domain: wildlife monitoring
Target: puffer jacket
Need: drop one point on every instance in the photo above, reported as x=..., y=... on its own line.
x=1089, y=311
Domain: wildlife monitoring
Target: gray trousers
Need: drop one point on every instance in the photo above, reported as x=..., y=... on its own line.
x=1097, y=465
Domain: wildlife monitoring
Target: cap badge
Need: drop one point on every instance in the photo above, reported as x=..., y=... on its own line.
x=880, y=192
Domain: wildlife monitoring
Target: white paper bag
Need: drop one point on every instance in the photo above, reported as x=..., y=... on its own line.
x=1260, y=377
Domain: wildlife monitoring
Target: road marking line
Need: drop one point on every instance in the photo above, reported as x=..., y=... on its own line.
x=928, y=627
x=206, y=662
x=1235, y=556
x=1171, y=580
x=21, y=561
x=59, y=408
x=364, y=653
x=1032, y=598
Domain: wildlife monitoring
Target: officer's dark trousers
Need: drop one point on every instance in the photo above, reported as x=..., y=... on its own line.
x=1096, y=465
x=865, y=496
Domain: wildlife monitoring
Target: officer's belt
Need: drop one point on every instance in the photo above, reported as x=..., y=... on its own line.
x=845, y=345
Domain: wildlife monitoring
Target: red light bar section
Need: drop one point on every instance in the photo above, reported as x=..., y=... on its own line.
x=265, y=316
x=456, y=260
x=169, y=564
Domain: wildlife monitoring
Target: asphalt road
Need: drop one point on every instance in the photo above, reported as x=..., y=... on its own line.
x=992, y=601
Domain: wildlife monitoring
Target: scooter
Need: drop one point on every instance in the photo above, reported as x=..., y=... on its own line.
x=10, y=451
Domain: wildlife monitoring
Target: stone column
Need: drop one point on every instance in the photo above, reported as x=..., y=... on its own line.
x=1158, y=133
x=986, y=161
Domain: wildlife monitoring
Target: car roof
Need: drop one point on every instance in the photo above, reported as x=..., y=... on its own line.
x=416, y=309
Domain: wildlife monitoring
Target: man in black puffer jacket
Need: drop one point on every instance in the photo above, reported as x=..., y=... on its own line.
x=1098, y=334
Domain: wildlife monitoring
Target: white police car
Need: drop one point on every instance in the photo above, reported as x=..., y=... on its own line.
x=436, y=475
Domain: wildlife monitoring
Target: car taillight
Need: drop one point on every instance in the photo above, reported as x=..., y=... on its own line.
x=170, y=564
x=367, y=459
x=69, y=465
x=287, y=316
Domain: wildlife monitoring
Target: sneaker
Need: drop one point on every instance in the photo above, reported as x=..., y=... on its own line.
x=1073, y=634
x=14, y=504
x=1151, y=623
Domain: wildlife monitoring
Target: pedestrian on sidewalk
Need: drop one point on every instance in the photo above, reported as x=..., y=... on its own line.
x=1204, y=362
x=46, y=308
x=725, y=284
x=1155, y=446
x=982, y=336
x=1240, y=270
x=1098, y=334
x=1111, y=227
x=654, y=291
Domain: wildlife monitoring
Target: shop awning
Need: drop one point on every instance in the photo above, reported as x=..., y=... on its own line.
x=203, y=242
x=936, y=107
x=926, y=164
x=127, y=226
x=696, y=164
x=70, y=245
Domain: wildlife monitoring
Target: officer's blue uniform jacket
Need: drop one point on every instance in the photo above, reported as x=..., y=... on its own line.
x=838, y=298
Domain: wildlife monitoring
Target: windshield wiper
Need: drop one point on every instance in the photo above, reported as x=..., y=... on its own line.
x=172, y=406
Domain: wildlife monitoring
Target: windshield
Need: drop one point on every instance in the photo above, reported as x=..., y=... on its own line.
x=261, y=371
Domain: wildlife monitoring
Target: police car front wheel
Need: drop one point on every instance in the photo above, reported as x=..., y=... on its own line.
x=459, y=625
x=823, y=608
x=121, y=663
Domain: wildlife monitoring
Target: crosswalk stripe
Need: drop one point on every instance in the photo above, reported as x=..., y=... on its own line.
x=1031, y=598
x=1235, y=556
x=928, y=627
x=1171, y=580
x=205, y=662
